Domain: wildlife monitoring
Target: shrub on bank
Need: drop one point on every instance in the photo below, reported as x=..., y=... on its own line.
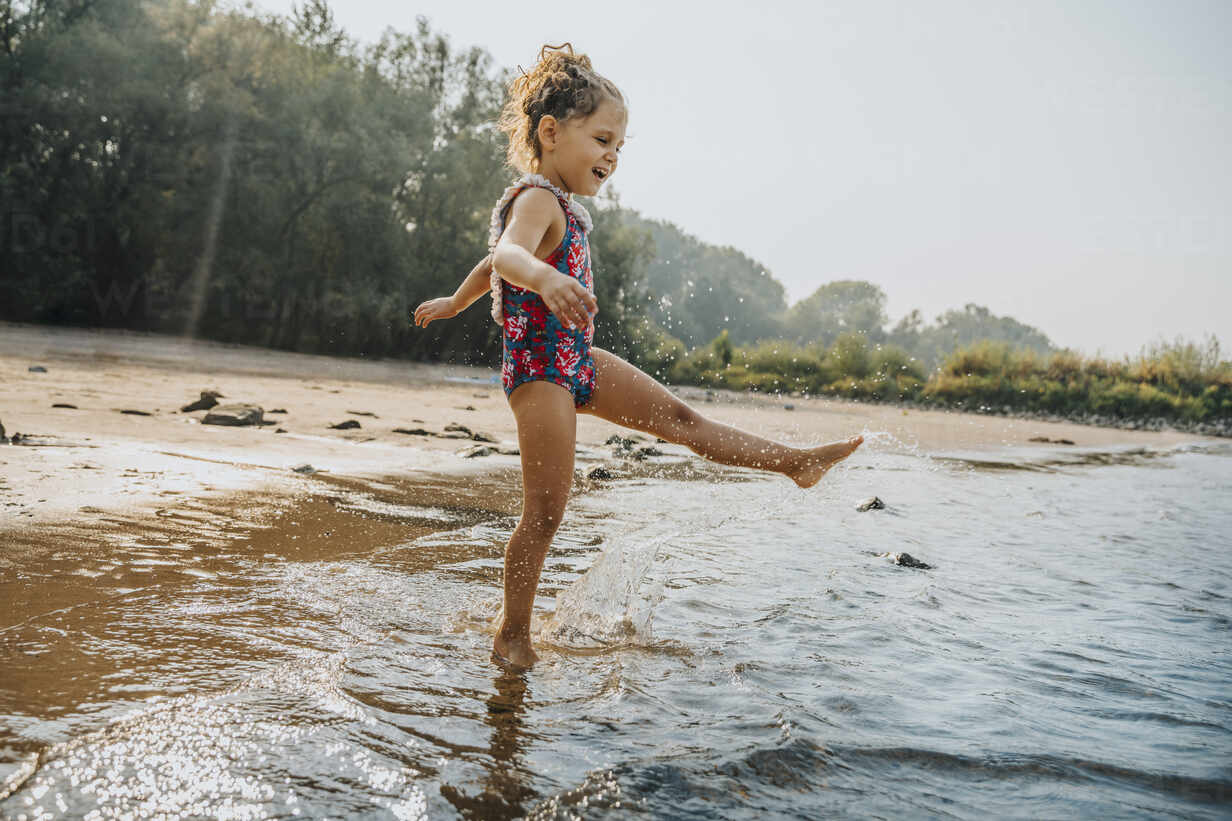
x=1175, y=382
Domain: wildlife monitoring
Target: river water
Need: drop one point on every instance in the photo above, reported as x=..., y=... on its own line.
x=715, y=643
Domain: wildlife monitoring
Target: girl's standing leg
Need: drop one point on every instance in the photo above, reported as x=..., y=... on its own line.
x=547, y=430
x=629, y=397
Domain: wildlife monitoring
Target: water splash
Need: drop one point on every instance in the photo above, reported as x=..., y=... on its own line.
x=612, y=603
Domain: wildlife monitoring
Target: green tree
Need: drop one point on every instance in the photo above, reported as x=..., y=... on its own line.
x=695, y=290
x=956, y=329
x=836, y=308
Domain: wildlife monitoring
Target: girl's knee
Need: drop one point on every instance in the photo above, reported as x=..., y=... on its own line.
x=542, y=522
x=683, y=416
x=543, y=512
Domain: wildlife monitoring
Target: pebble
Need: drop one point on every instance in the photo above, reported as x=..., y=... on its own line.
x=234, y=415
x=208, y=400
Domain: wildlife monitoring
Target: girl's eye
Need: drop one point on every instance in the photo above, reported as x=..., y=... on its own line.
x=602, y=140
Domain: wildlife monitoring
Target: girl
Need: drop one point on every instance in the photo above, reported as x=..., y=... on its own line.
x=566, y=126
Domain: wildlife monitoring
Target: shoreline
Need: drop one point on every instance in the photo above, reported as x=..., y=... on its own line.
x=126, y=448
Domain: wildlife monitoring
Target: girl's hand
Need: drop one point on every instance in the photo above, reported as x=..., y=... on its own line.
x=572, y=304
x=441, y=308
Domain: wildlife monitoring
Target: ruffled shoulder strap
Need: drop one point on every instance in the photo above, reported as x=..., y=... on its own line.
x=496, y=225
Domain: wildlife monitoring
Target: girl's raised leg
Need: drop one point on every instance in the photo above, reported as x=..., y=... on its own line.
x=547, y=431
x=629, y=397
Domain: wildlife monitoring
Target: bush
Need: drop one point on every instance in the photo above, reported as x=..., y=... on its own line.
x=1180, y=382
x=654, y=350
x=849, y=356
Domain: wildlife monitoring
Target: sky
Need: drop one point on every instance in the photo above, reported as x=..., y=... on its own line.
x=1067, y=164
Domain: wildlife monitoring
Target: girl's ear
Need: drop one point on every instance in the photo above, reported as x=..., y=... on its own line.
x=548, y=131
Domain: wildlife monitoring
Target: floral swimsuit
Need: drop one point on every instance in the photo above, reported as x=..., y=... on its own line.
x=538, y=346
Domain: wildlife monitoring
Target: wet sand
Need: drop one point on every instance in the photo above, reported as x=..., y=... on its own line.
x=84, y=466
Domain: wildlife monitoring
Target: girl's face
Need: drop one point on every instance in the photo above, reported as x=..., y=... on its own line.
x=580, y=154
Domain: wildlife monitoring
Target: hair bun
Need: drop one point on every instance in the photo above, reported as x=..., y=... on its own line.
x=561, y=84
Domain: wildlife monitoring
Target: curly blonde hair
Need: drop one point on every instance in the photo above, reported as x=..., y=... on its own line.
x=562, y=84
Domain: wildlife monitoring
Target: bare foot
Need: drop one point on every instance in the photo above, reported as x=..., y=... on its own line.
x=515, y=653
x=814, y=463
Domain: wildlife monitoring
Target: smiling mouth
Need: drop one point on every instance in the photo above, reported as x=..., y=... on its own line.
x=601, y=174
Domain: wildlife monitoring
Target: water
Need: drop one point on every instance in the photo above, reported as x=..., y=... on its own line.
x=739, y=649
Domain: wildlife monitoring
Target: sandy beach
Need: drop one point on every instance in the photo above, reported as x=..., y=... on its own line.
x=126, y=448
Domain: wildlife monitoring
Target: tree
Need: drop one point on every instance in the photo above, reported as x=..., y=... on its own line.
x=695, y=290
x=960, y=328
x=837, y=308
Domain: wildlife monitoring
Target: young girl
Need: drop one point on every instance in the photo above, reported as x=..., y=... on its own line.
x=566, y=126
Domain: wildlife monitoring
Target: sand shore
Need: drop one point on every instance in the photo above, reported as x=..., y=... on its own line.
x=85, y=464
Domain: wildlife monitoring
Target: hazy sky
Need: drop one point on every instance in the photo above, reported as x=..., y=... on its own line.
x=1067, y=164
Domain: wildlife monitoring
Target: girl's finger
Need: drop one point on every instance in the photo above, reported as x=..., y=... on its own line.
x=587, y=299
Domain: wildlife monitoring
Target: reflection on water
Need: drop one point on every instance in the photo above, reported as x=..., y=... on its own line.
x=715, y=643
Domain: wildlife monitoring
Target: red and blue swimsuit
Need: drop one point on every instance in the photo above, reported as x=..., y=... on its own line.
x=537, y=345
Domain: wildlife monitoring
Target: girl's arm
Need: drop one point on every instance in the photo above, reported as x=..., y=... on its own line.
x=474, y=286
x=514, y=259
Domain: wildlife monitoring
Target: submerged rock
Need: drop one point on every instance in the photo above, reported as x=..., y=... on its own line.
x=305, y=468
x=476, y=450
x=456, y=428
x=234, y=415
x=349, y=424
x=64, y=405
x=871, y=503
x=414, y=431
x=4, y=440
x=363, y=413
x=627, y=442
x=907, y=560
x=132, y=412
x=483, y=437
x=600, y=472
x=36, y=369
